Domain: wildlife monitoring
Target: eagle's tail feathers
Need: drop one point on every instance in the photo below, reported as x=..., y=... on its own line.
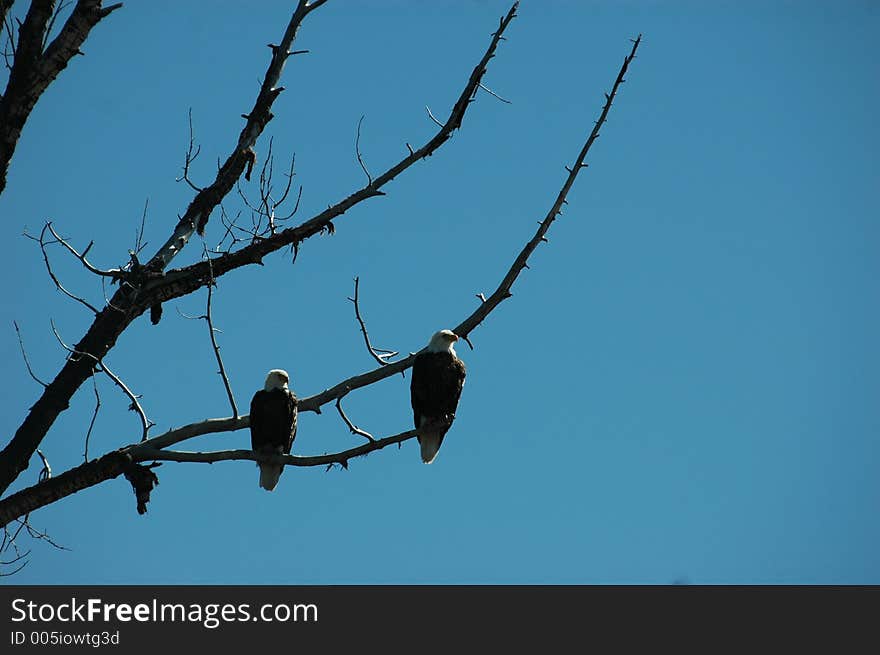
x=430, y=446
x=269, y=475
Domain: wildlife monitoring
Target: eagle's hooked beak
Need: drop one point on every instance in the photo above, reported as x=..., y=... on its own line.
x=455, y=337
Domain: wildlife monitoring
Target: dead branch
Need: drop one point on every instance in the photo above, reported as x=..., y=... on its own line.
x=379, y=354
x=113, y=273
x=190, y=156
x=211, y=332
x=493, y=94
x=19, y=557
x=101, y=366
x=34, y=68
x=24, y=355
x=139, y=243
x=267, y=206
x=9, y=541
x=503, y=291
x=147, y=454
x=92, y=422
x=135, y=406
x=43, y=243
x=357, y=149
x=52, y=21
x=351, y=426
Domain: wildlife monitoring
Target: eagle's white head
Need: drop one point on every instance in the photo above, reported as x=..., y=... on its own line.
x=442, y=342
x=277, y=379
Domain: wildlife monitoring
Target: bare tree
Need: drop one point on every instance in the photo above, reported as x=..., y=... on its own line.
x=145, y=287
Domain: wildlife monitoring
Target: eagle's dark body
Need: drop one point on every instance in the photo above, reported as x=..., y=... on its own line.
x=437, y=380
x=273, y=429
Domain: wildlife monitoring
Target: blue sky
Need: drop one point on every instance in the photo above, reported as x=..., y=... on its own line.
x=683, y=387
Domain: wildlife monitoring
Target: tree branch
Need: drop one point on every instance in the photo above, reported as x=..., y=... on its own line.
x=24, y=355
x=113, y=273
x=503, y=291
x=379, y=354
x=216, y=348
x=147, y=454
x=92, y=422
x=190, y=157
x=199, y=211
x=42, y=241
x=351, y=426
x=33, y=69
x=357, y=149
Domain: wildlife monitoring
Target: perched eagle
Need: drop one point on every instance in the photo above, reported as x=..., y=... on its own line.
x=437, y=379
x=273, y=424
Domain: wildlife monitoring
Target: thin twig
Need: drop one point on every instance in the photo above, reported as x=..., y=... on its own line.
x=58, y=284
x=52, y=20
x=139, y=235
x=94, y=417
x=379, y=354
x=493, y=94
x=46, y=471
x=216, y=347
x=135, y=406
x=351, y=426
x=357, y=149
x=24, y=354
x=24, y=563
x=114, y=273
x=190, y=157
x=433, y=118
x=37, y=534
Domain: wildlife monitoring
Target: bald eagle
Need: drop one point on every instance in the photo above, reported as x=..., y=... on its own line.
x=437, y=378
x=273, y=424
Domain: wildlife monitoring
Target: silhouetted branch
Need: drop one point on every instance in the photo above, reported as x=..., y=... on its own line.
x=100, y=365
x=351, y=426
x=190, y=156
x=42, y=241
x=92, y=422
x=52, y=21
x=211, y=330
x=503, y=291
x=24, y=355
x=357, y=149
x=35, y=65
x=379, y=354
x=493, y=94
x=113, y=273
x=289, y=460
